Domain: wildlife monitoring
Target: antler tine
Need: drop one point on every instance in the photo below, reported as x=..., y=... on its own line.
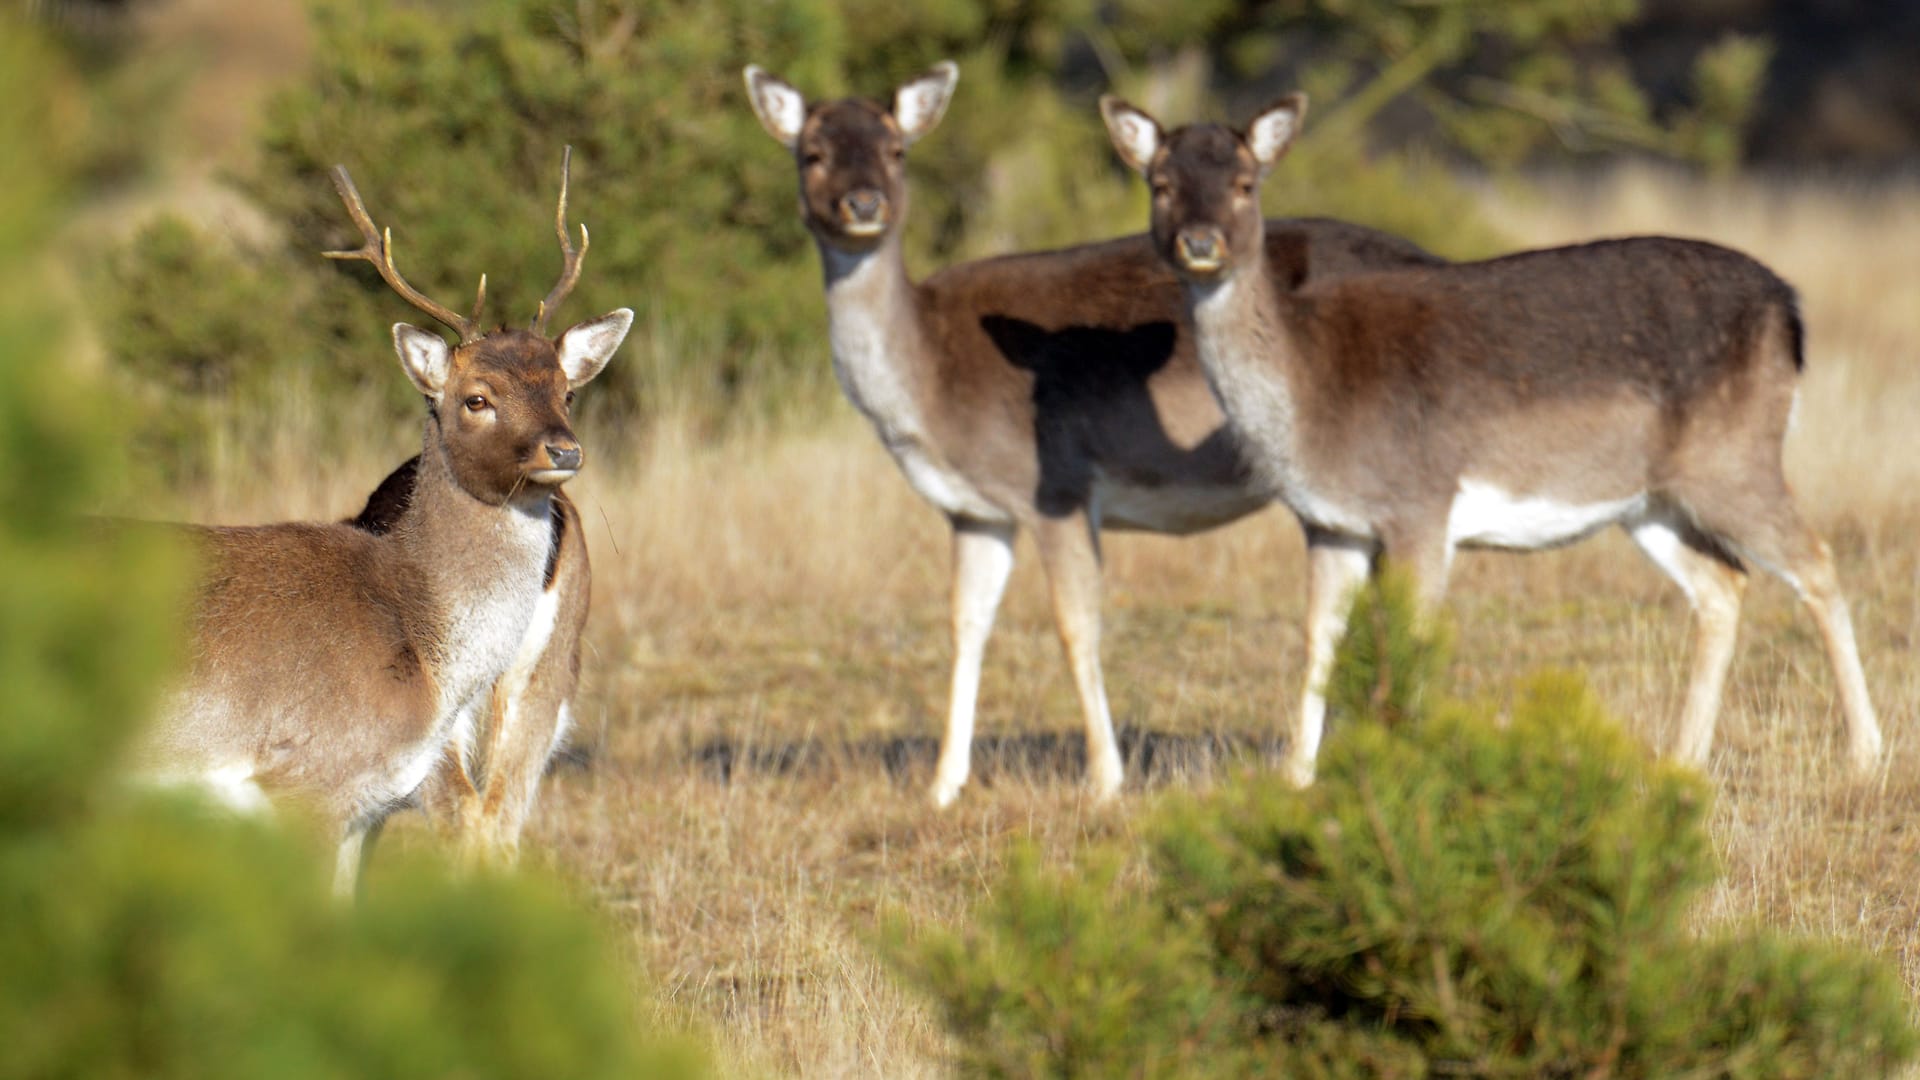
x=378, y=250
x=571, y=259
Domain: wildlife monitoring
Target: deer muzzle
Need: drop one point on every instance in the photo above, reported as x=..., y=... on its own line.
x=563, y=460
x=1201, y=249
x=863, y=212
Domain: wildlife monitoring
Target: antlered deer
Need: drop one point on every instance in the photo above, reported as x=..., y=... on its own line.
x=1054, y=391
x=341, y=664
x=1522, y=403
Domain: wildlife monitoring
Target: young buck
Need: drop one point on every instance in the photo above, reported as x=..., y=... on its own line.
x=339, y=663
x=484, y=788
x=1521, y=403
x=1055, y=391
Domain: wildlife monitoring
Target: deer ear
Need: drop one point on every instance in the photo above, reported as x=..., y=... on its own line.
x=586, y=348
x=1135, y=135
x=781, y=108
x=1273, y=128
x=919, y=105
x=424, y=356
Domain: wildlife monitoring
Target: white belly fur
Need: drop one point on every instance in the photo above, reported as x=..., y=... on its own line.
x=1486, y=516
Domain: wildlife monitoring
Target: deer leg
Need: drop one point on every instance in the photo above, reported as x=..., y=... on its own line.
x=519, y=764
x=1714, y=588
x=351, y=858
x=451, y=801
x=1789, y=548
x=1336, y=568
x=982, y=561
x=1072, y=556
x=1809, y=570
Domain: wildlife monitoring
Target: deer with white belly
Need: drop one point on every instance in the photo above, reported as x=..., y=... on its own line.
x=1521, y=403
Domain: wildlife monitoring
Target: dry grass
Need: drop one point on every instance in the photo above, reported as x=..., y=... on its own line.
x=768, y=667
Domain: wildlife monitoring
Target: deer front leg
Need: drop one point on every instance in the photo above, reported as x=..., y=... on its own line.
x=350, y=859
x=451, y=802
x=1336, y=568
x=982, y=561
x=1072, y=556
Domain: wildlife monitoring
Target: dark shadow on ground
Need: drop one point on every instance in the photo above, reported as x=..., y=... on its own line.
x=1153, y=758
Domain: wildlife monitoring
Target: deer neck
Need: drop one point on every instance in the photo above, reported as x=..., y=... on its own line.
x=1250, y=352
x=482, y=568
x=880, y=351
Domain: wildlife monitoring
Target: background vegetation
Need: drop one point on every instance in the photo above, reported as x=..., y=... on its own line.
x=452, y=117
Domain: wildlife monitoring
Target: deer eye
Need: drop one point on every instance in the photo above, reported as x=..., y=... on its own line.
x=813, y=159
x=899, y=153
x=475, y=403
x=569, y=397
x=1243, y=186
x=1162, y=189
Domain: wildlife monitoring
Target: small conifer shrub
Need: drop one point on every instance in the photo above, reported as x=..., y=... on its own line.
x=1456, y=895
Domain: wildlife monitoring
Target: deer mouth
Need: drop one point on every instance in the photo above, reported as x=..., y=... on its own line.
x=865, y=229
x=1205, y=265
x=1200, y=252
x=551, y=477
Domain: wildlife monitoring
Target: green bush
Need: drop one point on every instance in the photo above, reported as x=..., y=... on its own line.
x=1454, y=896
x=143, y=937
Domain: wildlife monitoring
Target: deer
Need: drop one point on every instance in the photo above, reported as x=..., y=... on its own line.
x=483, y=791
x=1520, y=403
x=342, y=665
x=1055, y=392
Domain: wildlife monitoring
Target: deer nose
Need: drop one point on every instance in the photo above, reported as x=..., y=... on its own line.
x=1201, y=247
x=863, y=207
x=563, y=457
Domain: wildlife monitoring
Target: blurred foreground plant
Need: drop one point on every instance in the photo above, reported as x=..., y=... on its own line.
x=145, y=937
x=1454, y=896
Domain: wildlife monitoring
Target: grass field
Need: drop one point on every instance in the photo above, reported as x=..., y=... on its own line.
x=768, y=662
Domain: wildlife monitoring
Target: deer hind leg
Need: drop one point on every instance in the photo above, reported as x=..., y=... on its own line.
x=1072, y=556
x=1336, y=568
x=982, y=561
x=1715, y=587
x=1774, y=536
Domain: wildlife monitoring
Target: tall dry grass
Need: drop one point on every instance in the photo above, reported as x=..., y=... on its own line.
x=767, y=671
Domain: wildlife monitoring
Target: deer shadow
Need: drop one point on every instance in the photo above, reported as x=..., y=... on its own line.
x=1153, y=758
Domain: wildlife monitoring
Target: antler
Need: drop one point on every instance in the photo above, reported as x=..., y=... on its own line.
x=378, y=250
x=571, y=259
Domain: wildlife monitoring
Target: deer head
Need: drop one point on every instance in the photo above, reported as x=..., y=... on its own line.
x=852, y=153
x=497, y=402
x=1205, y=180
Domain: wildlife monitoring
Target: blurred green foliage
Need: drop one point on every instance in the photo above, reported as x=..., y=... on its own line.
x=1453, y=896
x=452, y=116
x=79, y=643
x=145, y=937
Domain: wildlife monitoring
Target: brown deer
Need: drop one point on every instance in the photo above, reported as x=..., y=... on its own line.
x=1055, y=391
x=484, y=789
x=1522, y=403
x=339, y=663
